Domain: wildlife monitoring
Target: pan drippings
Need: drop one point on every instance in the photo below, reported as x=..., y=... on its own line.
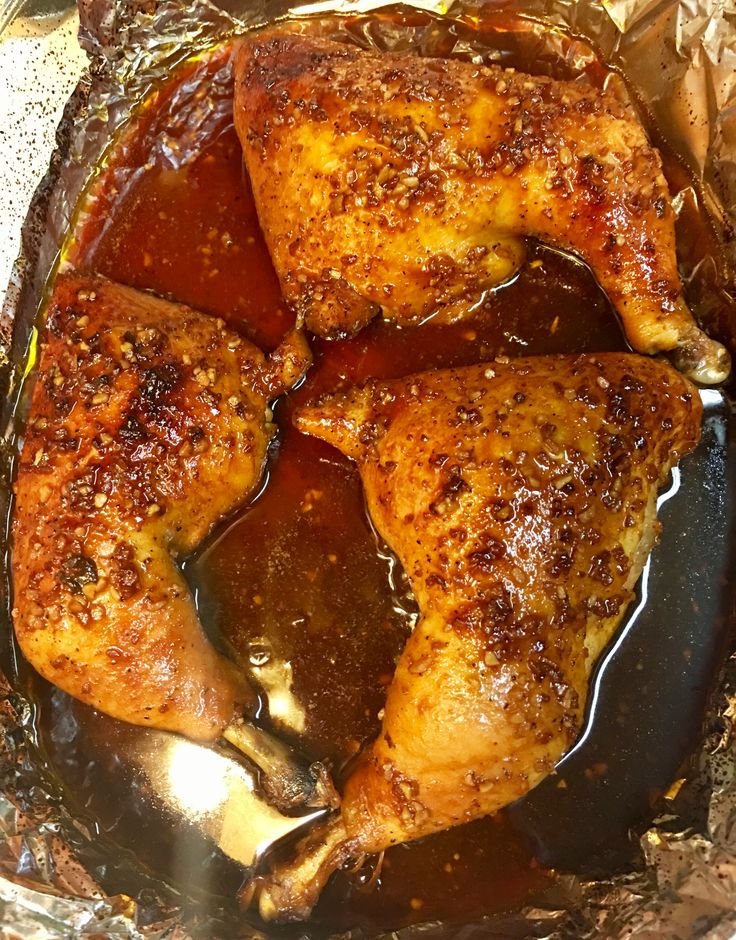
x=298, y=588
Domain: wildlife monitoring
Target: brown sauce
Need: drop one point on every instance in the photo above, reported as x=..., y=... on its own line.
x=297, y=586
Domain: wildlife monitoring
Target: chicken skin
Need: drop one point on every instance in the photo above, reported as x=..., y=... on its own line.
x=521, y=500
x=149, y=422
x=404, y=184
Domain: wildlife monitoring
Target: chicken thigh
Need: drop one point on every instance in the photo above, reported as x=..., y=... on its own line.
x=149, y=422
x=406, y=184
x=521, y=500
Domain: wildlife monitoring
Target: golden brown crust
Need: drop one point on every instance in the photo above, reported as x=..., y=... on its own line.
x=148, y=424
x=520, y=497
x=392, y=181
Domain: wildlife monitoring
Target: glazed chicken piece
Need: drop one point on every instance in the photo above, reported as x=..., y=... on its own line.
x=406, y=184
x=149, y=423
x=521, y=500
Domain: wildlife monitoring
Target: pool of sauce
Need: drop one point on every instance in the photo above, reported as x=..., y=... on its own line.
x=297, y=586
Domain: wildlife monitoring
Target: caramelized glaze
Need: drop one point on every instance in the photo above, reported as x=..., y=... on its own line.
x=295, y=584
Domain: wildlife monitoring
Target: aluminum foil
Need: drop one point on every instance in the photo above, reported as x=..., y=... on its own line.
x=680, y=58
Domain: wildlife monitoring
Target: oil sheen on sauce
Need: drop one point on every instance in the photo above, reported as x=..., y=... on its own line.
x=297, y=587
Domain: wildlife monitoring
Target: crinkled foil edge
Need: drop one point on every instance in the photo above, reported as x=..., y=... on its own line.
x=680, y=55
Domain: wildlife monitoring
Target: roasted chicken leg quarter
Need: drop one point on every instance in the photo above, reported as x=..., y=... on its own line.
x=521, y=500
x=149, y=422
x=389, y=181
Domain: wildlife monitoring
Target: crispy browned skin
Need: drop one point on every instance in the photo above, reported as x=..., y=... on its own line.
x=149, y=422
x=403, y=183
x=521, y=501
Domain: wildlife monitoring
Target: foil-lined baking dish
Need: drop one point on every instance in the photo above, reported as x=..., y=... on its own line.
x=679, y=59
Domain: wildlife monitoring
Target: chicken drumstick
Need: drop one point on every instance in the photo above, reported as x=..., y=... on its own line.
x=149, y=423
x=521, y=501
x=393, y=182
